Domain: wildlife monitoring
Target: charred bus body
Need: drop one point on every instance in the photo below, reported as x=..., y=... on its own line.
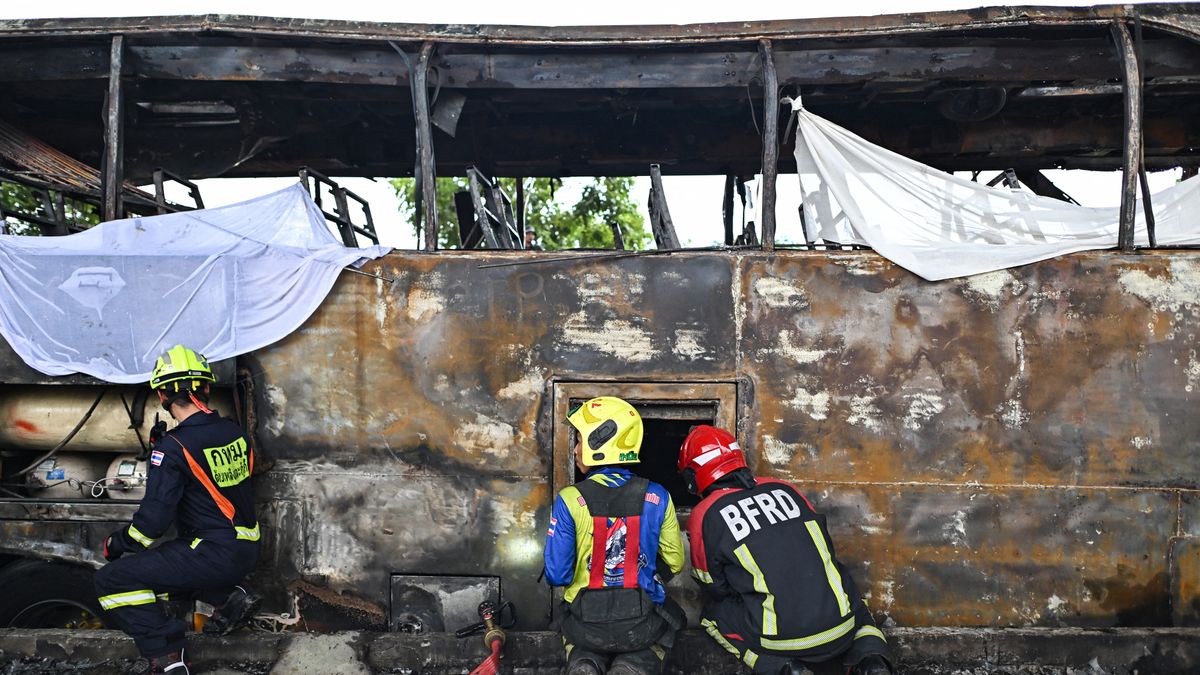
x=1011, y=449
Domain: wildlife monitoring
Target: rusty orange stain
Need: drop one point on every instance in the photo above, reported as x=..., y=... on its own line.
x=27, y=427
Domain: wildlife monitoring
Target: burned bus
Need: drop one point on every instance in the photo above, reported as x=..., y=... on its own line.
x=1010, y=449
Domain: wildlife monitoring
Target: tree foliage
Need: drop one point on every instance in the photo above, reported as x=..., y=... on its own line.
x=584, y=224
x=16, y=199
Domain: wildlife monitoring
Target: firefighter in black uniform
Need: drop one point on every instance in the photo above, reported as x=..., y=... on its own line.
x=199, y=480
x=777, y=597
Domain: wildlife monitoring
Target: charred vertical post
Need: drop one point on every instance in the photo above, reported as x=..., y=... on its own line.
x=1131, y=166
x=521, y=209
x=660, y=216
x=114, y=133
x=428, y=185
x=770, y=141
x=727, y=209
x=1147, y=207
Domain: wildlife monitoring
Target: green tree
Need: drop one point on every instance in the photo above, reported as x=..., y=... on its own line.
x=17, y=200
x=584, y=224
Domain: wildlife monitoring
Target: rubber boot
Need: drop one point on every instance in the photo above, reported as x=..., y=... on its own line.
x=584, y=667
x=795, y=668
x=238, y=609
x=172, y=663
x=626, y=669
x=872, y=665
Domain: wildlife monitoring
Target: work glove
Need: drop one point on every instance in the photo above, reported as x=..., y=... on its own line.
x=114, y=545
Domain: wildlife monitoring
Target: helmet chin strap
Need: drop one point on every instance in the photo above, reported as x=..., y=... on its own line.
x=195, y=401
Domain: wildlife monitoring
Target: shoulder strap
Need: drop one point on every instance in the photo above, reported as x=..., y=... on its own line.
x=223, y=504
x=619, y=503
x=614, y=502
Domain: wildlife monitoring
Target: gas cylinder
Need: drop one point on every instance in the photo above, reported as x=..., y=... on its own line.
x=37, y=418
x=126, y=478
x=66, y=476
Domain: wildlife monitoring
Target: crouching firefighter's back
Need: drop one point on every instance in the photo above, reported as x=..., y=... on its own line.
x=612, y=538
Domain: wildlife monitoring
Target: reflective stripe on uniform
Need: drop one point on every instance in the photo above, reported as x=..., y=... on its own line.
x=770, y=623
x=711, y=628
x=127, y=599
x=222, y=503
x=248, y=533
x=831, y=570
x=196, y=542
x=165, y=597
x=702, y=576
x=812, y=640
x=869, y=630
x=140, y=538
x=750, y=658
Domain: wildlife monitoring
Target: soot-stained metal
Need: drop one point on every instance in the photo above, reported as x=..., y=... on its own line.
x=1010, y=449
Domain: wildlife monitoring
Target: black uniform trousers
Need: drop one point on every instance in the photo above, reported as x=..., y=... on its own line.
x=619, y=626
x=205, y=569
x=722, y=619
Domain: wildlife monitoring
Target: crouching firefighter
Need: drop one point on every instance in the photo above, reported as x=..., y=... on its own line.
x=613, y=537
x=199, y=480
x=776, y=596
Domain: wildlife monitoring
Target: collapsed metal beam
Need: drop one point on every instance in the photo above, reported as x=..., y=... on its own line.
x=112, y=175
x=1132, y=154
x=770, y=143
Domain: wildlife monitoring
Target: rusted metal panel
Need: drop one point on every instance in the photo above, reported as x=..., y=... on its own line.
x=72, y=542
x=1066, y=369
x=405, y=418
x=1015, y=448
x=1185, y=581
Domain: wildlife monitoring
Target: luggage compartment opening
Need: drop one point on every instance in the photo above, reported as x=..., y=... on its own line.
x=668, y=411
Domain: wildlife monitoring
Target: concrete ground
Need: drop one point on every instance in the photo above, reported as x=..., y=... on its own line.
x=921, y=651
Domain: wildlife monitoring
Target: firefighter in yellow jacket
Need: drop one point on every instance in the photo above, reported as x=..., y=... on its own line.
x=613, y=537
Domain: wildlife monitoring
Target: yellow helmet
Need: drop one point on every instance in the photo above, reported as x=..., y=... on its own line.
x=610, y=430
x=179, y=365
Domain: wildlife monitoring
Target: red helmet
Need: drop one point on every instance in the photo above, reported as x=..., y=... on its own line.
x=709, y=453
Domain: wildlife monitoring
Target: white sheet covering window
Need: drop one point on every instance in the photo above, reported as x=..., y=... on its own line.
x=940, y=226
x=224, y=281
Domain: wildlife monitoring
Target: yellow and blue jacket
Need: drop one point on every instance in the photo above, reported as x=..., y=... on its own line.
x=569, y=543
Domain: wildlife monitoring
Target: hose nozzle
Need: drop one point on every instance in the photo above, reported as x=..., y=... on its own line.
x=492, y=633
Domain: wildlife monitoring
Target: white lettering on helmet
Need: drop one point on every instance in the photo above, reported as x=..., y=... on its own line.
x=738, y=526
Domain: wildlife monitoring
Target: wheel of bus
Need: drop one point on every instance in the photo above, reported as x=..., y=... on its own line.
x=42, y=594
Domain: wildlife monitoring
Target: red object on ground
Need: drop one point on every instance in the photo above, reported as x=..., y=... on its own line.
x=490, y=665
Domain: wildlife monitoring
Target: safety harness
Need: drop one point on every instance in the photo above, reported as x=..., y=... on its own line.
x=621, y=503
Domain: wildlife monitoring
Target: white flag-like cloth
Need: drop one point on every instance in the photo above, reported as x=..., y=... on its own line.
x=223, y=281
x=939, y=226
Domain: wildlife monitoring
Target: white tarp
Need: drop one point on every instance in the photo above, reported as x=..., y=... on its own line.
x=223, y=281
x=939, y=226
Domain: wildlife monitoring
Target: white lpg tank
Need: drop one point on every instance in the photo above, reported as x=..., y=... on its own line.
x=126, y=478
x=66, y=476
x=37, y=418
